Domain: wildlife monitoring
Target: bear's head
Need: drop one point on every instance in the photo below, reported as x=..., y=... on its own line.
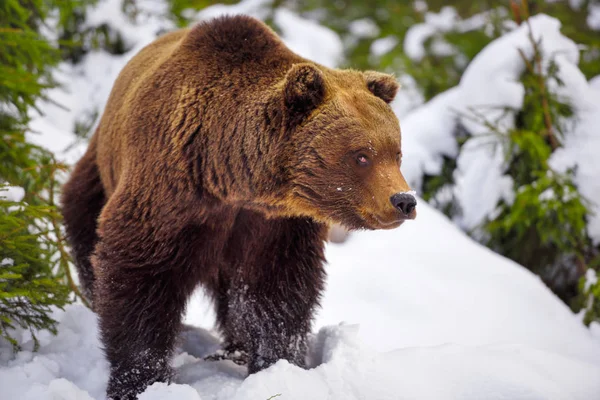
x=347, y=154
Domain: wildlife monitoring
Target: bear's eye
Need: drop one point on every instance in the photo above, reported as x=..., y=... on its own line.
x=362, y=160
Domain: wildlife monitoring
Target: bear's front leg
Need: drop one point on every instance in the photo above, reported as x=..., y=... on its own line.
x=277, y=279
x=144, y=277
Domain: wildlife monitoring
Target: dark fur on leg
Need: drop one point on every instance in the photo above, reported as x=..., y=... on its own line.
x=82, y=200
x=142, y=288
x=275, y=288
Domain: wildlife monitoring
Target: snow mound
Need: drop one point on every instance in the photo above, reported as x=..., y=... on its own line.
x=427, y=283
x=489, y=86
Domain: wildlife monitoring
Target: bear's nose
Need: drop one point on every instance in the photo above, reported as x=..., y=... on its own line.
x=404, y=203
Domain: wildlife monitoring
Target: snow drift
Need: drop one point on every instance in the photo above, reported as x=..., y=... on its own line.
x=490, y=85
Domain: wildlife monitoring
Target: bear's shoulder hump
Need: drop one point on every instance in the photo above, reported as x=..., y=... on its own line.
x=235, y=39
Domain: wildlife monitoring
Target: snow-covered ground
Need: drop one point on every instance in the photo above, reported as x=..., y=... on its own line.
x=421, y=312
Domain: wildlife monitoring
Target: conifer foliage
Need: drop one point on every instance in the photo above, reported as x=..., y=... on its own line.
x=34, y=270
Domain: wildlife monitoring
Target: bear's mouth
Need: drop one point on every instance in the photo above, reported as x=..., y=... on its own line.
x=373, y=221
x=394, y=223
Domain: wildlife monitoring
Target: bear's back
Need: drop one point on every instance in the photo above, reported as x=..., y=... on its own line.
x=223, y=56
x=110, y=137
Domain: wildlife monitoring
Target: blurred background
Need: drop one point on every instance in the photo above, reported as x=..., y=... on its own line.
x=499, y=108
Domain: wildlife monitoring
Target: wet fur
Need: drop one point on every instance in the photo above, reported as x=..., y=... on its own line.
x=192, y=177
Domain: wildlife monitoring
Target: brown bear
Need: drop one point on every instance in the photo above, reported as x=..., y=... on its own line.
x=221, y=159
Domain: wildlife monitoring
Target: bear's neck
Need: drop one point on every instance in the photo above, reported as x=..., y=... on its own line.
x=244, y=155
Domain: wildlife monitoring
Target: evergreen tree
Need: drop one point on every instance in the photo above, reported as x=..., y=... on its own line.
x=34, y=270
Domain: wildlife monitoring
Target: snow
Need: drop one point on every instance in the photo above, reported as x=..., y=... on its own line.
x=420, y=6
x=7, y=261
x=363, y=28
x=489, y=86
x=109, y=12
x=408, y=97
x=383, y=45
x=581, y=145
x=509, y=300
x=593, y=18
x=477, y=21
x=595, y=83
x=12, y=193
x=420, y=312
x=427, y=136
x=446, y=20
x=255, y=8
x=417, y=35
x=574, y=4
x=301, y=35
x=414, y=40
x=159, y=391
x=591, y=278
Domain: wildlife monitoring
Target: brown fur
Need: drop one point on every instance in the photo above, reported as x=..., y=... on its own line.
x=220, y=159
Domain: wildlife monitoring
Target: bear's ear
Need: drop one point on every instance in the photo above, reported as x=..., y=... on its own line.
x=381, y=85
x=304, y=88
